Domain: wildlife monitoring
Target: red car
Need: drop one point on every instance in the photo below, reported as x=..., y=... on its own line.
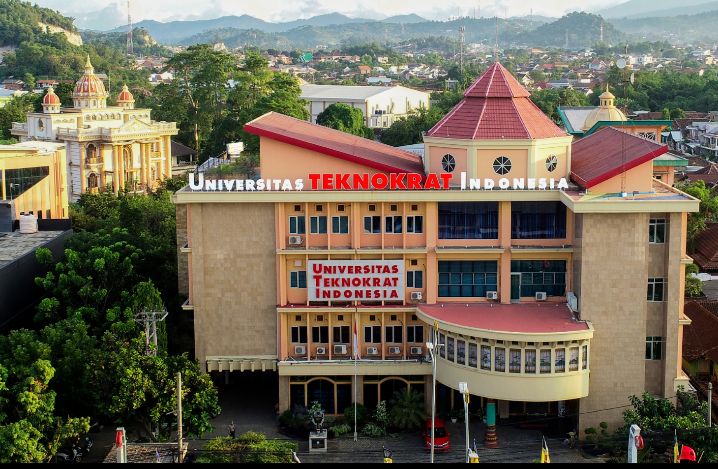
x=441, y=436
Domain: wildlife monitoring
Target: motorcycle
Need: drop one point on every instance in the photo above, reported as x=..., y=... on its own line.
x=75, y=453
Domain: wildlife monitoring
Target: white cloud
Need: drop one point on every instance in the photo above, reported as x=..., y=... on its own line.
x=106, y=14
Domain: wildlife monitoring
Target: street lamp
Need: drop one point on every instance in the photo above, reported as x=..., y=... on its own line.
x=464, y=389
x=433, y=347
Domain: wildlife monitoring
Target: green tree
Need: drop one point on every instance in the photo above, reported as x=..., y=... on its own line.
x=16, y=111
x=345, y=118
x=408, y=411
x=537, y=76
x=201, y=77
x=409, y=130
x=706, y=210
x=665, y=114
x=678, y=113
x=549, y=100
x=29, y=81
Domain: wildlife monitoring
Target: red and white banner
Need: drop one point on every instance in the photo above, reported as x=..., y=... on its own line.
x=356, y=280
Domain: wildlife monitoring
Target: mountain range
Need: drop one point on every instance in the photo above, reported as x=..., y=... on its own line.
x=657, y=8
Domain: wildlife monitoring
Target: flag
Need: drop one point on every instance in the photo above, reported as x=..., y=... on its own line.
x=356, y=341
x=159, y=458
x=675, y=447
x=687, y=453
x=544, y=452
x=473, y=448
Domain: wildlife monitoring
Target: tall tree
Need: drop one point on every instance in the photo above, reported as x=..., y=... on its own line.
x=343, y=117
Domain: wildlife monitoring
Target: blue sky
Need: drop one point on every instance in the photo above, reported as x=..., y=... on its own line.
x=107, y=14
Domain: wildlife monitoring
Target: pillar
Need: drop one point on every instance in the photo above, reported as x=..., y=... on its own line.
x=505, y=242
x=148, y=164
x=143, y=164
x=168, y=156
x=115, y=171
x=121, y=167
x=490, y=438
x=83, y=175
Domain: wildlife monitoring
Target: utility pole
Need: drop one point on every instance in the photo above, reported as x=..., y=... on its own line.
x=566, y=46
x=710, y=403
x=179, y=416
x=601, y=31
x=461, y=51
x=150, y=320
x=496, y=45
x=130, y=48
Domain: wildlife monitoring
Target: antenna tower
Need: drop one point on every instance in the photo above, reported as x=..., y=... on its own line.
x=461, y=51
x=496, y=45
x=531, y=20
x=149, y=320
x=566, y=46
x=601, y=31
x=130, y=49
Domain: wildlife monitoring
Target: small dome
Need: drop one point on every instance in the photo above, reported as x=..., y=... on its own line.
x=89, y=89
x=607, y=111
x=51, y=97
x=125, y=95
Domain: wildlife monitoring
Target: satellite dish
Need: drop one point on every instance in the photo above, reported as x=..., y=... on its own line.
x=621, y=64
x=633, y=78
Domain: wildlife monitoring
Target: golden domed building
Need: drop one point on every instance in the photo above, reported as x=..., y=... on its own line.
x=605, y=112
x=107, y=146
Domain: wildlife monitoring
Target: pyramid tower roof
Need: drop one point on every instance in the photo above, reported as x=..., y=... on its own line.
x=496, y=107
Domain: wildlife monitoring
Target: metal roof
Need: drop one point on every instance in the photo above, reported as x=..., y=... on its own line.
x=349, y=93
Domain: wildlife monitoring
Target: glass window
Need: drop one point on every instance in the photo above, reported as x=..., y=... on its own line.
x=18, y=181
x=467, y=278
x=297, y=225
x=318, y=225
x=393, y=224
x=584, y=359
x=442, y=341
x=560, y=364
x=514, y=361
x=299, y=334
x=473, y=359
x=654, y=348
x=657, y=230
x=468, y=220
x=538, y=220
x=530, y=361
x=320, y=334
x=448, y=163
x=415, y=334
x=461, y=352
x=573, y=359
x=322, y=391
x=297, y=279
x=545, y=361
x=486, y=357
x=500, y=359
x=341, y=334
x=394, y=335
x=450, y=349
x=547, y=276
x=372, y=225
x=655, y=289
x=372, y=334
x=502, y=165
x=340, y=225
x=415, y=279
x=415, y=224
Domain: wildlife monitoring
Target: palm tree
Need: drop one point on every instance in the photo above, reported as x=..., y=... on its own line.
x=408, y=410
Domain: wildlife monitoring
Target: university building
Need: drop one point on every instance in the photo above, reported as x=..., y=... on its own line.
x=552, y=269
x=116, y=146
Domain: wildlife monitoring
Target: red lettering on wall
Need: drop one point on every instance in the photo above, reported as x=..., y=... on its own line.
x=315, y=181
x=327, y=181
x=317, y=268
x=376, y=282
x=361, y=180
x=445, y=178
x=387, y=282
x=397, y=181
x=432, y=182
x=414, y=181
x=394, y=294
x=394, y=269
x=326, y=294
x=317, y=278
x=342, y=182
x=379, y=181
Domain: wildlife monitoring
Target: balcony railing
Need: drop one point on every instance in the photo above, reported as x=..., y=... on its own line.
x=94, y=161
x=19, y=126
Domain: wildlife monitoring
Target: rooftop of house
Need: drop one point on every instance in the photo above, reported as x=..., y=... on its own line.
x=706, y=248
x=700, y=338
x=338, y=92
x=335, y=143
x=14, y=245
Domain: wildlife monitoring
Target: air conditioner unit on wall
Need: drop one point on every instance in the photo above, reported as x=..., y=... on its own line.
x=394, y=350
x=300, y=350
x=416, y=295
x=321, y=350
x=340, y=350
x=416, y=350
x=372, y=351
x=540, y=296
x=295, y=240
x=492, y=295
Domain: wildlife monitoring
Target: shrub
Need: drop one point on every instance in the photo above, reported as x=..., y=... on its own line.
x=270, y=452
x=408, y=410
x=362, y=413
x=374, y=431
x=340, y=430
x=286, y=418
x=591, y=435
x=252, y=438
x=381, y=415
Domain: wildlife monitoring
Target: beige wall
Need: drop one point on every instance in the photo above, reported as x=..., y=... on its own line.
x=234, y=280
x=613, y=297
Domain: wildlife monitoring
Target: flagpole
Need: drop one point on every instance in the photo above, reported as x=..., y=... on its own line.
x=356, y=319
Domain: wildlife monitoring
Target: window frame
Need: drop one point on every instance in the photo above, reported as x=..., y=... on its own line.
x=651, y=343
x=653, y=225
x=299, y=330
x=318, y=224
x=393, y=328
x=299, y=279
x=320, y=331
x=414, y=328
x=296, y=225
x=339, y=224
x=390, y=224
x=651, y=293
x=373, y=332
x=413, y=225
x=372, y=220
x=340, y=330
x=413, y=281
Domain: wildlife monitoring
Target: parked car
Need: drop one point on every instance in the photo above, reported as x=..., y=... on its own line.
x=441, y=436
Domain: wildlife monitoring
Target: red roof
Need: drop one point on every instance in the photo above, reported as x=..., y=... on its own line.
x=335, y=143
x=526, y=318
x=598, y=157
x=700, y=339
x=706, y=251
x=496, y=107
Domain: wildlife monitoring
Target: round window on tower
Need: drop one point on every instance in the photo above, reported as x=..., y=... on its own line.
x=551, y=163
x=502, y=165
x=448, y=163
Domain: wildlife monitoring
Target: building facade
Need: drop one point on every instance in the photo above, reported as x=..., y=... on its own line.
x=116, y=147
x=537, y=262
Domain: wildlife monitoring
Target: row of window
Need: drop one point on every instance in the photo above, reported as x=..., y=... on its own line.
x=502, y=165
x=372, y=224
x=372, y=334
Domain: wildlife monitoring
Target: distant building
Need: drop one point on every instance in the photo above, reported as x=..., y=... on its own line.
x=380, y=105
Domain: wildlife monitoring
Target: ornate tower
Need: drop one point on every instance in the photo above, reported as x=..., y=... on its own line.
x=125, y=99
x=51, y=102
x=89, y=91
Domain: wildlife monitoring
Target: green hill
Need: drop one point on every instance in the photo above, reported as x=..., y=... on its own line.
x=583, y=30
x=20, y=21
x=143, y=43
x=676, y=29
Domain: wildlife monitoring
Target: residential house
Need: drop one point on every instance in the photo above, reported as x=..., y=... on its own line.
x=364, y=69
x=703, y=138
x=700, y=347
